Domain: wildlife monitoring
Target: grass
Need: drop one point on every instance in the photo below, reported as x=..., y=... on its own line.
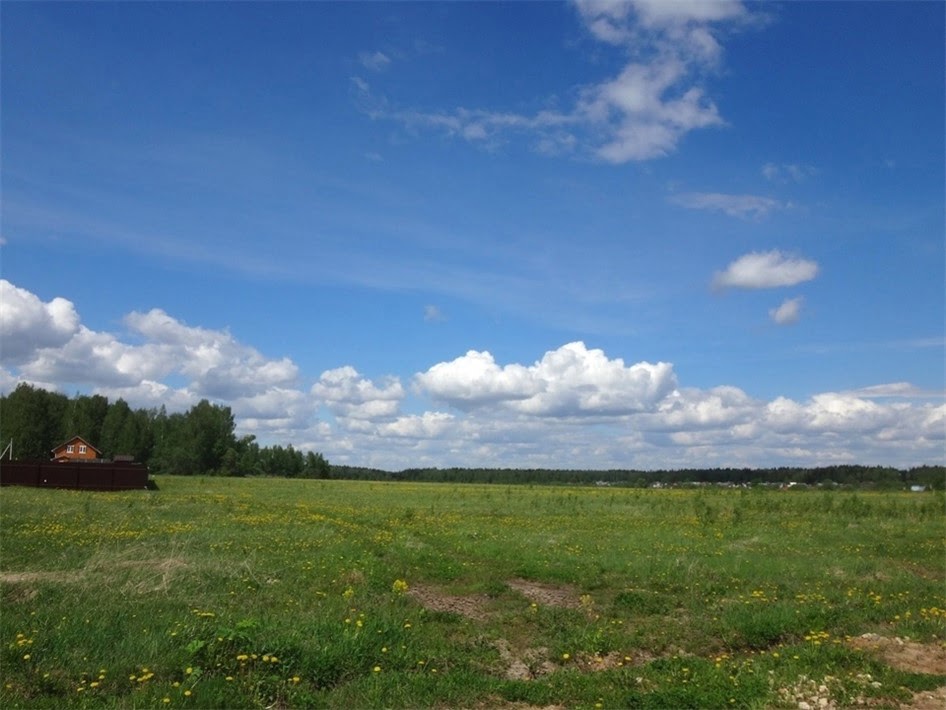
x=259, y=593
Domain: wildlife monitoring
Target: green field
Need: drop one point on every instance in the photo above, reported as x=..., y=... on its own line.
x=272, y=593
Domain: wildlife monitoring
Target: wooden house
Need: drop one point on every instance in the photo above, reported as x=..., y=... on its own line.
x=76, y=449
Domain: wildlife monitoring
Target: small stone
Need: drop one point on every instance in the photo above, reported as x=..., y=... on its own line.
x=822, y=702
x=804, y=706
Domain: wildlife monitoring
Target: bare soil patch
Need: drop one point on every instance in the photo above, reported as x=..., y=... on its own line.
x=547, y=594
x=471, y=606
x=903, y=654
x=928, y=700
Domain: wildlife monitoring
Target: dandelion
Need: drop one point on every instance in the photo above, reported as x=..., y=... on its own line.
x=399, y=586
x=296, y=679
x=26, y=656
x=187, y=693
x=166, y=700
x=565, y=656
x=229, y=678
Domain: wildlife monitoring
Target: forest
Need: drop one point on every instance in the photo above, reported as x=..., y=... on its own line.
x=202, y=441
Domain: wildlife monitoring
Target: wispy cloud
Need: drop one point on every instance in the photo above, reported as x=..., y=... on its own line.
x=770, y=269
x=788, y=172
x=374, y=61
x=640, y=114
x=742, y=206
x=788, y=312
x=433, y=314
x=895, y=390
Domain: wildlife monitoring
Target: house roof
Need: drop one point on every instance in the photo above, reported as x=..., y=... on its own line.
x=73, y=440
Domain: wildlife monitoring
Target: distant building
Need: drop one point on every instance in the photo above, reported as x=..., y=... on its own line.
x=76, y=449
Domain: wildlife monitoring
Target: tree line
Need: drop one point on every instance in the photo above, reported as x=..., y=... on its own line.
x=855, y=476
x=200, y=441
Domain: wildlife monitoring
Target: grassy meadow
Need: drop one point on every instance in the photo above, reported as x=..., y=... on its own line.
x=270, y=593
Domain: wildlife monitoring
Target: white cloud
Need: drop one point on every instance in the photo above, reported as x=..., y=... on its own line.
x=575, y=407
x=569, y=381
x=375, y=61
x=51, y=346
x=429, y=425
x=149, y=394
x=743, y=206
x=475, y=379
x=349, y=395
x=219, y=365
x=27, y=324
x=769, y=269
x=644, y=121
x=640, y=114
x=788, y=312
x=689, y=409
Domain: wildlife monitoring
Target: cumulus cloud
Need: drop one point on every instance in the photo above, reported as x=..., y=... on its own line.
x=574, y=407
x=475, y=379
x=48, y=344
x=429, y=425
x=788, y=312
x=770, y=269
x=347, y=394
x=642, y=113
x=742, y=206
x=569, y=381
x=219, y=365
x=689, y=409
x=27, y=324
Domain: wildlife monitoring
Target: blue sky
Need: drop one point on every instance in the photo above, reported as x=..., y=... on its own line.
x=595, y=234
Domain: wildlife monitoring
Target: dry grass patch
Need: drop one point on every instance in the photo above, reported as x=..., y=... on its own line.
x=525, y=664
x=903, y=654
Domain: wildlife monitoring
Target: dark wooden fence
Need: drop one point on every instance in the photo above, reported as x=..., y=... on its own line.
x=112, y=476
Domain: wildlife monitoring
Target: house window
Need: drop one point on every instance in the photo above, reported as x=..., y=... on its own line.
x=70, y=448
x=81, y=448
